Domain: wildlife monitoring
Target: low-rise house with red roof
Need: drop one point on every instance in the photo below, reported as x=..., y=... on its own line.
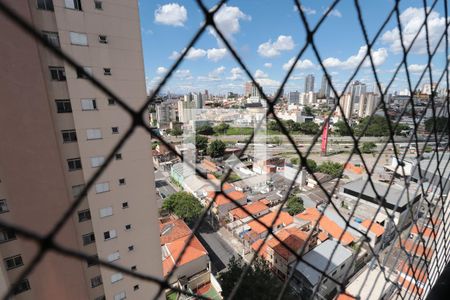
x=252, y=210
x=278, y=255
x=413, y=279
x=193, y=267
x=375, y=233
x=258, y=230
x=222, y=204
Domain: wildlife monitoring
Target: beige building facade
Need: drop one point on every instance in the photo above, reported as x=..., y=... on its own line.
x=56, y=131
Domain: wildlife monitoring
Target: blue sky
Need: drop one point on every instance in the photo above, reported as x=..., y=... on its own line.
x=267, y=34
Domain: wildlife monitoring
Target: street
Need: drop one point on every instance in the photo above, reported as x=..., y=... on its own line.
x=219, y=251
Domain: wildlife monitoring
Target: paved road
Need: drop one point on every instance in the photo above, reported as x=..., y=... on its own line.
x=219, y=251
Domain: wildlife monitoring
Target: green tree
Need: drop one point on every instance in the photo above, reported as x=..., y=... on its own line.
x=331, y=168
x=294, y=205
x=221, y=128
x=312, y=165
x=216, y=148
x=205, y=129
x=184, y=205
x=309, y=128
x=289, y=124
x=441, y=125
x=368, y=147
x=276, y=140
x=296, y=126
x=273, y=125
x=341, y=128
x=295, y=160
x=176, y=131
x=201, y=142
x=308, y=111
x=259, y=282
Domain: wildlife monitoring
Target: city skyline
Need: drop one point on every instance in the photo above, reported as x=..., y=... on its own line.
x=209, y=64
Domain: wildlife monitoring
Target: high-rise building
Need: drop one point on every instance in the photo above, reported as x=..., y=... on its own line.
x=197, y=99
x=309, y=83
x=372, y=101
x=294, y=97
x=248, y=88
x=356, y=89
x=347, y=105
x=325, y=88
x=57, y=130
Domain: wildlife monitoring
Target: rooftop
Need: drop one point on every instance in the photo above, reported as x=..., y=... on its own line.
x=373, y=226
x=284, y=218
x=329, y=253
x=173, y=230
x=253, y=208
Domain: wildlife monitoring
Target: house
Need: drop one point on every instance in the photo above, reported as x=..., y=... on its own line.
x=180, y=171
x=258, y=231
x=375, y=232
x=330, y=258
x=269, y=165
x=327, y=226
x=255, y=210
x=210, y=166
x=319, y=178
x=222, y=205
x=277, y=255
x=193, y=268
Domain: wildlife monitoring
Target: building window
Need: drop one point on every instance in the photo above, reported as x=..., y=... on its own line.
x=13, y=262
x=57, y=73
x=51, y=37
x=107, y=71
x=93, y=134
x=122, y=181
x=118, y=156
x=124, y=204
x=22, y=286
x=115, y=130
x=97, y=161
x=136, y=287
x=73, y=4
x=116, y=277
x=76, y=190
x=98, y=4
x=74, y=164
x=6, y=235
x=92, y=261
x=96, y=281
x=3, y=206
x=120, y=296
x=102, y=187
x=63, y=106
x=106, y=212
x=334, y=273
x=133, y=268
x=114, y=256
x=131, y=248
x=69, y=136
x=88, y=238
x=84, y=215
x=102, y=39
x=87, y=70
x=102, y=297
x=111, y=101
x=110, y=234
x=45, y=4
x=128, y=227
x=88, y=104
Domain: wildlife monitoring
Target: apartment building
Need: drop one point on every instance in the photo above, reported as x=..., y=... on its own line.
x=57, y=130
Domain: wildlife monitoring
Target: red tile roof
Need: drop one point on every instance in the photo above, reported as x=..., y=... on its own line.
x=326, y=224
x=374, y=227
x=284, y=218
x=173, y=230
x=253, y=208
x=425, y=231
x=222, y=200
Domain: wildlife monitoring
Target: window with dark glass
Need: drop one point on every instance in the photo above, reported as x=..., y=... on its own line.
x=13, y=262
x=69, y=136
x=22, y=286
x=74, y=164
x=57, y=73
x=63, y=106
x=96, y=281
x=88, y=238
x=3, y=206
x=51, y=37
x=84, y=215
x=98, y=4
x=7, y=234
x=45, y=4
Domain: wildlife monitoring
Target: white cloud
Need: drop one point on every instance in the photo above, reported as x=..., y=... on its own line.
x=306, y=10
x=212, y=54
x=416, y=68
x=228, y=20
x=215, y=54
x=379, y=57
x=195, y=53
x=301, y=64
x=161, y=70
x=268, y=65
x=267, y=82
x=283, y=43
x=171, y=14
x=236, y=74
x=174, y=55
x=411, y=20
x=214, y=75
x=183, y=74
x=260, y=74
x=334, y=12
